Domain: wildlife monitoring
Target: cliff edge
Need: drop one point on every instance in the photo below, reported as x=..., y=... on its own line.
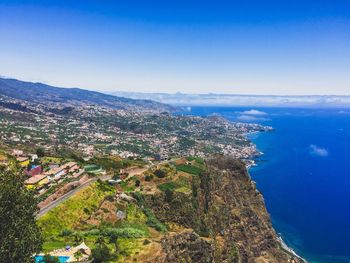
x=222, y=219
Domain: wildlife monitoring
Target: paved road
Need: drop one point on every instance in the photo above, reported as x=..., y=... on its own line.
x=64, y=197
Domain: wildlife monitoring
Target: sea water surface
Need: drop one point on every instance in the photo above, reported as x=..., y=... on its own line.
x=304, y=175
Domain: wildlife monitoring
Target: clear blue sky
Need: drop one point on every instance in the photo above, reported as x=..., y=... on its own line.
x=244, y=47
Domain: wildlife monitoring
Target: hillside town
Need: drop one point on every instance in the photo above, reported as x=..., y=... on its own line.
x=91, y=129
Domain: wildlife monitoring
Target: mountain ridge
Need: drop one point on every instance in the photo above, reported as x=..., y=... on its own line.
x=36, y=92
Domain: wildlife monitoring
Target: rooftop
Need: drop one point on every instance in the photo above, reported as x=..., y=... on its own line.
x=35, y=179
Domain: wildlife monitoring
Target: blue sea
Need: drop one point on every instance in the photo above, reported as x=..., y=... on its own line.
x=304, y=175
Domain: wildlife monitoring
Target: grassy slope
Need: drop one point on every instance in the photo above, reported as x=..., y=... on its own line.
x=66, y=215
x=195, y=167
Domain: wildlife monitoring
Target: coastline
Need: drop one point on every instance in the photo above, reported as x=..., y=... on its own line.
x=283, y=244
x=288, y=249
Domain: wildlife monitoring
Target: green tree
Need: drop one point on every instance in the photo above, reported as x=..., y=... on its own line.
x=148, y=178
x=116, y=175
x=101, y=254
x=78, y=238
x=169, y=195
x=160, y=173
x=100, y=241
x=113, y=239
x=20, y=237
x=40, y=152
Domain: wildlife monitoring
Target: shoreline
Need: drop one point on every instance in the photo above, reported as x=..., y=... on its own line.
x=254, y=164
x=287, y=248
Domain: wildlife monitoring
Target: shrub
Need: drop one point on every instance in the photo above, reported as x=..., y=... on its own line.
x=66, y=232
x=101, y=254
x=148, y=178
x=110, y=198
x=146, y=242
x=160, y=173
x=169, y=194
x=124, y=232
x=93, y=232
x=153, y=221
x=40, y=152
x=105, y=210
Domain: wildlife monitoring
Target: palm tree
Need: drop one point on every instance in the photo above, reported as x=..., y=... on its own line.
x=78, y=255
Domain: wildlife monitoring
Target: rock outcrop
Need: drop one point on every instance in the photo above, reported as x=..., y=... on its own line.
x=187, y=247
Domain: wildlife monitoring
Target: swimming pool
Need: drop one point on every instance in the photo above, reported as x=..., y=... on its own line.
x=62, y=259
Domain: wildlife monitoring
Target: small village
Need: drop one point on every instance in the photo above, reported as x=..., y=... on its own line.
x=46, y=172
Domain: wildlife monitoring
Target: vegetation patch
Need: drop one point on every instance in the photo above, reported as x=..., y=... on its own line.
x=72, y=211
x=127, y=187
x=191, y=169
x=48, y=160
x=135, y=215
x=2, y=157
x=182, y=184
x=152, y=220
x=128, y=248
x=169, y=186
x=52, y=245
x=92, y=168
x=197, y=159
x=125, y=232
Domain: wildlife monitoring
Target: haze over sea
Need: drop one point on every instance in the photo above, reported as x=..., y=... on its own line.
x=304, y=175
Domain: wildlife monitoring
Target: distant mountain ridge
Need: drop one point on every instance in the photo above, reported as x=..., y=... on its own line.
x=42, y=93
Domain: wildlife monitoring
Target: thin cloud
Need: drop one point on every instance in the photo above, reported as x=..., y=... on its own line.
x=252, y=116
x=254, y=112
x=318, y=151
x=248, y=118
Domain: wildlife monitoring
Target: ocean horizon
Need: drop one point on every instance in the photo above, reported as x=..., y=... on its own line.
x=303, y=175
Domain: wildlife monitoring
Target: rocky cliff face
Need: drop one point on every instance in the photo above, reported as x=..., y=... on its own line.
x=225, y=219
